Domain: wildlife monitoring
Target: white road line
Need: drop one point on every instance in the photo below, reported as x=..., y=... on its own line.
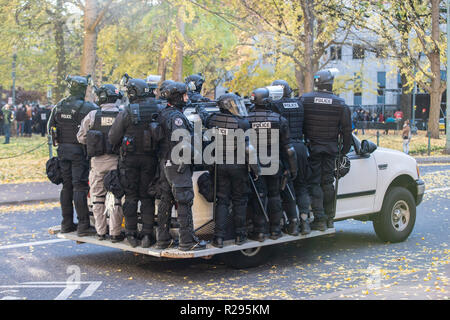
x=32, y=244
x=437, y=189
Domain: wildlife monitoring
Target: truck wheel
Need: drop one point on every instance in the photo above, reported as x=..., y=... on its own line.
x=396, y=219
x=247, y=258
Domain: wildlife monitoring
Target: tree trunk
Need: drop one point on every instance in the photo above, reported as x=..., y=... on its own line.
x=178, y=65
x=434, y=56
x=88, y=60
x=307, y=8
x=60, y=51
x=405, y=99
x=162, y=61
x=299, y=77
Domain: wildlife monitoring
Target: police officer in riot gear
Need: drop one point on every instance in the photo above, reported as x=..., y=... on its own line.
x=63, y=125
x=94, y=134
x=231, y=167
x=176, y=171
x=326, y=118
x=194, y=83
x=138, y=160
x=292, y=109
x=266, y=122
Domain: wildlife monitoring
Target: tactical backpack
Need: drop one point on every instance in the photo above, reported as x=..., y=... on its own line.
x=53, y=171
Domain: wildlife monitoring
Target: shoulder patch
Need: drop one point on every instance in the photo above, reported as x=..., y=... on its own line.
x=178, y=122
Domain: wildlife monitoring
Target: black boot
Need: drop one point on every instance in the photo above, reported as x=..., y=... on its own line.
x=305, y=228
x=166, y=244
x=240, y=239
x=195, y=244
x=330, y=223
x=115, y=239
x=71, y=228
x=292, y=227
x=132, y=239
x=147, y=241
x=217, y=242
x=319, y=225
x=257, y=236
x=276, y=234
x=84, y=229
x=100, y=237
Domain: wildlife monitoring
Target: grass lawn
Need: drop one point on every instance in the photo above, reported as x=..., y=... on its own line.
x=29, y=167
x=417, y=147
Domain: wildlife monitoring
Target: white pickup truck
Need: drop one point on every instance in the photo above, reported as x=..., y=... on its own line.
x=382, y=186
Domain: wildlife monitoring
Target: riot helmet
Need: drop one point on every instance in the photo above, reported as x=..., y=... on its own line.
x=323, y=79
x=287, y=91
x=77, y=85
x=175, y=94
x=195, y=82
x=260, y=97
x=233, y=104
x=153, y=81
x=108, y=93
x=136, y=88
x=163, y=88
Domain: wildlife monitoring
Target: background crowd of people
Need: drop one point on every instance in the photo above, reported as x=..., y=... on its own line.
x=24, y=120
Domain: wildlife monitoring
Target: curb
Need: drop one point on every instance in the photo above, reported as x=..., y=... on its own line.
x=22, y=202
x=433, y=160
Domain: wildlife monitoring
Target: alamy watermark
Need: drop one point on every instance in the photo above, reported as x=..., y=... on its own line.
x=259, y=144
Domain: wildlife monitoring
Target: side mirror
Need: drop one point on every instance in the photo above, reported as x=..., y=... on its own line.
x=367, y=147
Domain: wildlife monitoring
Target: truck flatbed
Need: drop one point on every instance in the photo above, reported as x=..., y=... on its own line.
x=174, y=253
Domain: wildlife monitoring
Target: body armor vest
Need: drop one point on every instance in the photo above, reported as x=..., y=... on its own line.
x=102, y=123
x=322, y=115
x=292, y=110
x=68, y=119
x=263, y=122
x=225, y=127
x=138, y=133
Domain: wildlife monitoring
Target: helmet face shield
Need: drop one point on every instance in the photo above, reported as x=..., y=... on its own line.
x=237, y=107
x=233, y=104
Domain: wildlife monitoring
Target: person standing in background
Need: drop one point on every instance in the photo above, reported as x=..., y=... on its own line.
x=20, y=117
x=8, y=118
x=406, y=135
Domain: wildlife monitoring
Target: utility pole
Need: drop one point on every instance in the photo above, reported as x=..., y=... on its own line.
x=14, y=79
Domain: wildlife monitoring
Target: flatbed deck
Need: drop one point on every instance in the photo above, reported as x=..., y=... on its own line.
x=174, y=253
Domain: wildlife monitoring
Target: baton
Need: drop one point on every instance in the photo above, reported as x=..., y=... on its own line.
x=337, y=172
x=258, y=197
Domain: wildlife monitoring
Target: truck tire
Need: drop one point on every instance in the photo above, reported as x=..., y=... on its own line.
x=395, y=221
x=248, y=258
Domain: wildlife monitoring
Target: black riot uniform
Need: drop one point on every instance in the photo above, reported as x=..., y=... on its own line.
x=266, y=122
x=63, y=125
x=230, y=167
x=175, y=171
x=194, y=83
x=295, y=192
x=138, y=159
x=326, y=117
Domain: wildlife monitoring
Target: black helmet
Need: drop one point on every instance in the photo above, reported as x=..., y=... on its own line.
x=324, y=79
x=163, y=88
x=286, y=88
x=175, y=93
x=195, y=82
x=78, y=85
x=260, y=97
x=136, y=88
x=232, y=103
x=108, y=93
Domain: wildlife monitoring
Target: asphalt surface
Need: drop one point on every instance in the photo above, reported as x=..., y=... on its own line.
x=351, y=264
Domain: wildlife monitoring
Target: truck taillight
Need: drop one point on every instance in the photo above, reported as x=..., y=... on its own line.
x=418, y=171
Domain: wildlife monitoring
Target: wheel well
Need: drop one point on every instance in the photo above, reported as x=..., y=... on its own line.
x=407, y=182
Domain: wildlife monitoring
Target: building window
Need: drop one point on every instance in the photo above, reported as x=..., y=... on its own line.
x=335, y=53
x=399, y=81
x=357, y=98
x=381, y=79
x=358, y=52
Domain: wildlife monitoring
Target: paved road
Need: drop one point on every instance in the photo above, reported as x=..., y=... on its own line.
x=352, y=264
